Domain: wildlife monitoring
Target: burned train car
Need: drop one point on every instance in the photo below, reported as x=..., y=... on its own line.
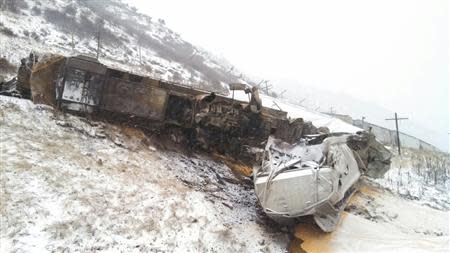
x=84, y=85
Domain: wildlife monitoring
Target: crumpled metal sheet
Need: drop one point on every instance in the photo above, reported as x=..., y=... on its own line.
x=314, y=176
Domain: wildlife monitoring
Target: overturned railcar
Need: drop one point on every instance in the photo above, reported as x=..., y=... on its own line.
x=84, y=85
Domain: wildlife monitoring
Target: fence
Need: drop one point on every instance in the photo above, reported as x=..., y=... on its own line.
x=389, y=137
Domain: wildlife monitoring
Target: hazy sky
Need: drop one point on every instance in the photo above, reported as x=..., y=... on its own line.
x=392, y=53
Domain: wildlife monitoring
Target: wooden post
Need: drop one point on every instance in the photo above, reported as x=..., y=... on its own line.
x=398, y=133
x=98, y=43
x=73, y=43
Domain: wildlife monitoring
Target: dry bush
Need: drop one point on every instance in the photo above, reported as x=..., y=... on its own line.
x=6, y=66
x=6, y=31
x=14, y=6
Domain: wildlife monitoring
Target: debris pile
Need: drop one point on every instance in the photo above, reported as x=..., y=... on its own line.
x=325, y=166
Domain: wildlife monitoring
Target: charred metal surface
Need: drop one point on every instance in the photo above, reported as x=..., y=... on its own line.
x=9, y=88
x=211, y=121
x=20, y=86
x=117, y=93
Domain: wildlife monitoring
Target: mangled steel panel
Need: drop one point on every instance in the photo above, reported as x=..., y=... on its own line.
x=372, y=157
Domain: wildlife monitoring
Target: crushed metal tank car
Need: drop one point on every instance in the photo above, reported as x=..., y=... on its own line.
x=315, y=176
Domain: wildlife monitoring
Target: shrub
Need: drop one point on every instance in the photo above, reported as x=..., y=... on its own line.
x=35, y=36
x=60, y=19
x=14, y=6
x=36, y=11
x=70, y=10
x=6, y=66
x=6, y=31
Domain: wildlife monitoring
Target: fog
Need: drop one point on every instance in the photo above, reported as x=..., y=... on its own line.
x=392, y=54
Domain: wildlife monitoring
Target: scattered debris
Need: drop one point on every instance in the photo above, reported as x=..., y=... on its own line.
x=303, y=171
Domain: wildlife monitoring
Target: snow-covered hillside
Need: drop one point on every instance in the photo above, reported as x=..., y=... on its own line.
x=421, y=176
x=128, y=40
x=83, y=186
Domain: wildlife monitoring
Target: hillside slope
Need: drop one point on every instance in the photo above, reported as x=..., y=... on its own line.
x=110, y=188
x=128, y=40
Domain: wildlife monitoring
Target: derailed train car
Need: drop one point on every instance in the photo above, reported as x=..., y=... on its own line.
x=300, y=172
x=84, y=85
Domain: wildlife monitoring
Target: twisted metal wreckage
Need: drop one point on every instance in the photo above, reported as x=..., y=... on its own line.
x=301, y=171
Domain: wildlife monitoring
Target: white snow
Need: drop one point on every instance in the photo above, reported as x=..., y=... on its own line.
x=377, y=221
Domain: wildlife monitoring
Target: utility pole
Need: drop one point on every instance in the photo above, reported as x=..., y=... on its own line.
x=98, y=43
x=140, y=55
x=73, y=43
x=396, y=128
x=139, y=42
